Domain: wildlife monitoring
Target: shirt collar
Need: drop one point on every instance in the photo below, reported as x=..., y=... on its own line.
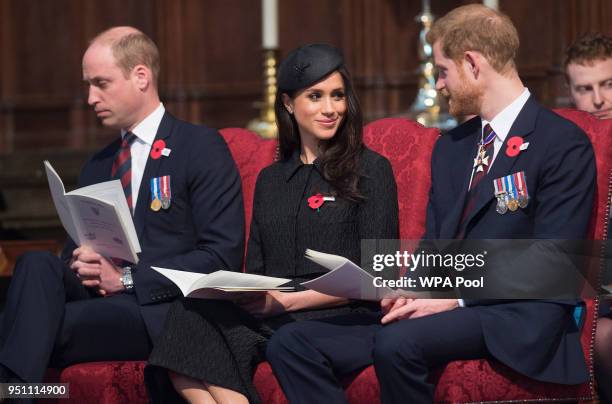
x=294, y=163
x=503, y=121
x=147, y=129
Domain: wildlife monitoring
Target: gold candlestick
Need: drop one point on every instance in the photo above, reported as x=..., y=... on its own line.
x=265, y=125
x=428, y=108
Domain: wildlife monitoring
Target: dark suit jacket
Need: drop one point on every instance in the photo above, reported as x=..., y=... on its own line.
x=202, y=231
x=538, y=339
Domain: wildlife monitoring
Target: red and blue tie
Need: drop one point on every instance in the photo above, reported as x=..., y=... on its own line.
x=122, y=166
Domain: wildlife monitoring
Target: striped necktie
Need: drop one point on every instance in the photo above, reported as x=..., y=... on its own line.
x=122, y=166
x=486, y=148
x=483, y=160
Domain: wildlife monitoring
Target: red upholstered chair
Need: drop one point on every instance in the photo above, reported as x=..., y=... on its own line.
x=122, y=381
x=251, y=153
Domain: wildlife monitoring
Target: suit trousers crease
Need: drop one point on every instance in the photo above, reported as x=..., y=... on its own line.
x=51, y=319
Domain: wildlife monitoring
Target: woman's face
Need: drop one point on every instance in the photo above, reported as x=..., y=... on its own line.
x=319, y=109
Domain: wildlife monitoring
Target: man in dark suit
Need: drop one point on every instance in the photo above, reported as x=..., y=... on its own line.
x=86, y=307
x=512, y=135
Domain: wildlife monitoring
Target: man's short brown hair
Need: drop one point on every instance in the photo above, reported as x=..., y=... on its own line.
x=475, y=27
x=588, y=49
x=130, y=48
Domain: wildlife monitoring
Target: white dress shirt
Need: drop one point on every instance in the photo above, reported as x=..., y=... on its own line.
x=145, y=133
x=502, y=123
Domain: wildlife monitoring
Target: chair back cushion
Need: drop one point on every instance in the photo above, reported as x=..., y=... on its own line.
x=600, y=133
x=408, y=146
x=251, y=153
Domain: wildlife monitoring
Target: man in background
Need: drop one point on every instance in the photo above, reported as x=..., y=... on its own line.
x=588, y=70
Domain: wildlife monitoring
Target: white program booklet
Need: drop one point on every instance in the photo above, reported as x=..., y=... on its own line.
x=220, y=284
x=345, y=279
x=97, y=216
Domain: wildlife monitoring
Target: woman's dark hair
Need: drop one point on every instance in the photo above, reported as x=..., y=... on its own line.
x=340, y=159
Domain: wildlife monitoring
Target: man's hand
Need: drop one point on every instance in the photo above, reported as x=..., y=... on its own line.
x=419, y=308
x=264, y=304
x=96, y=271
x=390, y=304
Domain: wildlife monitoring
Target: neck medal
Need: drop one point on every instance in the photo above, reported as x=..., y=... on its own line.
x=482, y=159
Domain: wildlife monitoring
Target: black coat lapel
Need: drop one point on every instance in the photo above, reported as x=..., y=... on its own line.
x=151, y=171
x=523, y=126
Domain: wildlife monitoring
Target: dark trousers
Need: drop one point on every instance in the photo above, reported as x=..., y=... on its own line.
x=405, y=351
x=309, y=357
x=50, y=319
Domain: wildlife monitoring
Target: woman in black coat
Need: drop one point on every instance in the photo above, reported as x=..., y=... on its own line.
x=327, y=192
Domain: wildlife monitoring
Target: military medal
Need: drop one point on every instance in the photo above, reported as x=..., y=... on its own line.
x=156, y=205
x=511, y=192
x=512, y=202
x=165, y=203
x=157, y=196
x=482, y=159
x=521, y=183
x=513, y=205
x=166, y=194
x=500, y=194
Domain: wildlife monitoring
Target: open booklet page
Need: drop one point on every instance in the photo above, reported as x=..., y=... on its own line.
x=96, y=216
x=221, y=284
x=346, y=279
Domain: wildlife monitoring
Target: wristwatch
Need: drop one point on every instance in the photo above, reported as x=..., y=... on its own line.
x=126, y=279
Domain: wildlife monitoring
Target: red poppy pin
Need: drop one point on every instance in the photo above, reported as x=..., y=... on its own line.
x=157, y=149
x=515, y=146
x=315, y=201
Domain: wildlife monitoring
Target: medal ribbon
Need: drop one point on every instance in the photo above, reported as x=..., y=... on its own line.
x=488, y=139
x=508, y=187
x=523, y=183
x=155, y=191
x=515, y=190
x=166, y=193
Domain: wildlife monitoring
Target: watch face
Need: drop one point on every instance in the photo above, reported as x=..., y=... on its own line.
x=126, y=278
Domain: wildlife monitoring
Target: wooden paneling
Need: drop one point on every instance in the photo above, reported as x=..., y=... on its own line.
x=211, y=61
x=211, y=57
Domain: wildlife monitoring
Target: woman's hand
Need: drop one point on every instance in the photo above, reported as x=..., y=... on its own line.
x=265, y=304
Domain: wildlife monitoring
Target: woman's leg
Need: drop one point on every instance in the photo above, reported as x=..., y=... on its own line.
x=224, y=395
x=192, y=390
x=603, y=358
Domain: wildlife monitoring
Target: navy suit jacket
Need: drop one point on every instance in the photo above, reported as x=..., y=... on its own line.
x=536, y=338
x=202, y=231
